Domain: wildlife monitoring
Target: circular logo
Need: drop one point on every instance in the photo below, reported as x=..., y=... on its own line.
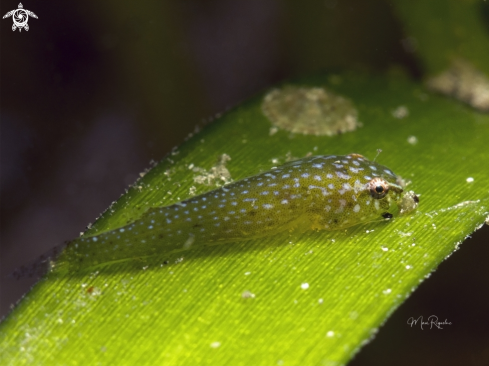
x=20, y=18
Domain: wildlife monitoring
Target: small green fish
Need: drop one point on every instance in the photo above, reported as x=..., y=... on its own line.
x=314, y=193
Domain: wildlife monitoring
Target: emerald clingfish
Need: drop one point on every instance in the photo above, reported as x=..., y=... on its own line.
x=318, y=192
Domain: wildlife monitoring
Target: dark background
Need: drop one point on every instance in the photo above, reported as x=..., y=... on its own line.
x=96, y=90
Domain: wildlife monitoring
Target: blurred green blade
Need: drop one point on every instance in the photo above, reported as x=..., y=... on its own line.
x=310, y=299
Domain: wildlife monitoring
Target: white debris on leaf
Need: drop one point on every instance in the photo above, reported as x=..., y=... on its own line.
x=248, y=295
x=218, y=175
x=413, y=140
x=400, y=112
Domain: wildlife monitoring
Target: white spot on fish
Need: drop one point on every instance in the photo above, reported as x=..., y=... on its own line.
x=342, y=175
x=342, y=206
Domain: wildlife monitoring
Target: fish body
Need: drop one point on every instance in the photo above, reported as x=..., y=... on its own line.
x=314, y=193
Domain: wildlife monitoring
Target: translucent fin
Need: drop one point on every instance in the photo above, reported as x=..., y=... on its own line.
x=41, y=266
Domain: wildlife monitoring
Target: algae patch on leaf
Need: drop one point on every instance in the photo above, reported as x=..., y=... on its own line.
x=310, y=111
x=464, y=82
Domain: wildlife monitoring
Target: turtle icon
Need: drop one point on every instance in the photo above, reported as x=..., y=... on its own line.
x=20, y=17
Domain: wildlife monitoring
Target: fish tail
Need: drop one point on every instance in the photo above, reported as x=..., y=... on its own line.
x=40, y=266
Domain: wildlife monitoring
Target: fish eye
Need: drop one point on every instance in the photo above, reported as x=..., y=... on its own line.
x=378, y=188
